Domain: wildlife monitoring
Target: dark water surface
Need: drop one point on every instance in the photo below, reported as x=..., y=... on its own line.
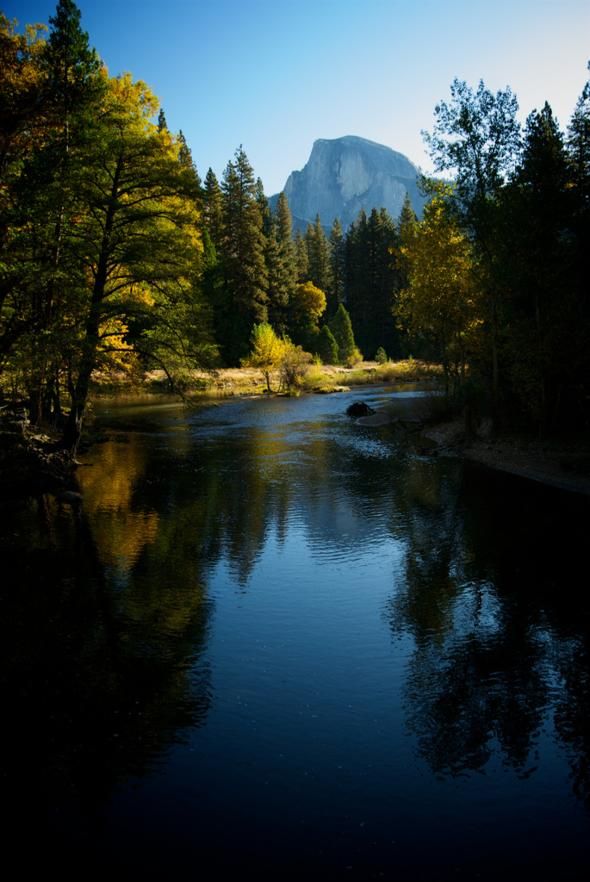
x=278, y=641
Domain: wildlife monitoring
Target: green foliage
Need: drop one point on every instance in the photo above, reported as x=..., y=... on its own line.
x=520, y=212
x=243, y=254
x=335, y=294
x=282, y=268
x=372, y=279
x=326, y=346
x=341, y=327
x=318, y=256
x=113, y=255
x=301, y=259
x=381, y=356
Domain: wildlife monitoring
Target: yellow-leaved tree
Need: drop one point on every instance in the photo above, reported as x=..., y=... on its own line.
x=442, y=302
x=137, y=236
x=267, y=351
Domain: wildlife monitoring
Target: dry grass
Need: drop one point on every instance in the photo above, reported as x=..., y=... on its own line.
x=230, y=382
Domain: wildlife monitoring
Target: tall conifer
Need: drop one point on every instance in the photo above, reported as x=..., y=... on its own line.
x=243, y=246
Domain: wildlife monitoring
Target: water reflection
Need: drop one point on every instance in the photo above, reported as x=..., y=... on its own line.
x=103, y=626
x=111, y=648
x=500, y=649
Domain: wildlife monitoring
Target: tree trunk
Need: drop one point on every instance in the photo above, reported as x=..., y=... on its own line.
x=73, y=426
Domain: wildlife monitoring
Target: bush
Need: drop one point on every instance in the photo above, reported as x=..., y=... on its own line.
x=381, y=356
x=294, y=365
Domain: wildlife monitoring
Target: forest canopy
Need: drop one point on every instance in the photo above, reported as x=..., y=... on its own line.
x=116, y=256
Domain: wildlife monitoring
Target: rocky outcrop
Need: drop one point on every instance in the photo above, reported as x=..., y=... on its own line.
x=345, y=175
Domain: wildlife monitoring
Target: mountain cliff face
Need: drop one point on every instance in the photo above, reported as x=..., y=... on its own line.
x=346, y=174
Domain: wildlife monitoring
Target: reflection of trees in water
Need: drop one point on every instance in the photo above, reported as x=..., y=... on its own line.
x=496, y=635
x=100, y=650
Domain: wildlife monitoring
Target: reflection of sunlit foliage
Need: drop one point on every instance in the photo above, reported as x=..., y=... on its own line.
x=120, y=532
x=105, y=663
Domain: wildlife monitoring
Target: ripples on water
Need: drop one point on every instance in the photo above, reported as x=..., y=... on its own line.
x=279, y=640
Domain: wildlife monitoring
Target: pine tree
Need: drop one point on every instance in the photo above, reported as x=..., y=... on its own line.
x=540, y=311
x=282, y=269
x=301, y=260
x=357, y=271
x=243, y=246
x=213, y=210
x=407, y=217
x=263, y=205
x=74, y=87
x=25, y=117
x=373, y=275
x=341, y=328
x=578, y=144
x=71, y=65
x=476, y=136
x=326, y=346
x=337, y=267
x=162, y=124
x=318, y=255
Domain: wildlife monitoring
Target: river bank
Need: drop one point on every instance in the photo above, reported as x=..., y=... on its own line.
x=561, y=462
x=31, y=459
x=231, y=382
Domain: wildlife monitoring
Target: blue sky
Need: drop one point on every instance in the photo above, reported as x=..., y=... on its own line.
x=275, y=75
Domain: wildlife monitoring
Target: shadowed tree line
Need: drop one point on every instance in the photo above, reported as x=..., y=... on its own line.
x=497, y=278
x=116, y=257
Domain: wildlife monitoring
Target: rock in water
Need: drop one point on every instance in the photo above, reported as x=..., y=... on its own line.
x=359, y=409
x=346, y=174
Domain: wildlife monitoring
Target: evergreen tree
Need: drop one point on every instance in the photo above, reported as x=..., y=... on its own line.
x=74, y=88
x=301, y=260
x=335, y=294
x=579, y=153
x=213, y=210
x=540, y=310
x=318, y=255
x=326, y=346
x=185, y=157
x=162, y=124
x=341, y=328
x=25, y=118
x=282, y=269
x=476, y=136
x=243, y=246
x=407, y=217
x=263, y=205
x=71, y=65
x=278, y=296
x=373, y=280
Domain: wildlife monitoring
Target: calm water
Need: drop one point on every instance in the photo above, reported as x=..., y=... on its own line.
x=278, y=641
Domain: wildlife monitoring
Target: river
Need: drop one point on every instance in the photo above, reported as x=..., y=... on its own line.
x=277, y=641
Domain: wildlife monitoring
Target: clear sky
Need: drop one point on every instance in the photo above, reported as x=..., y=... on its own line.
x=274, y=75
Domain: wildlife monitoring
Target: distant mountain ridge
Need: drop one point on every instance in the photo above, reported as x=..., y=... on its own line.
x=344, y=175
